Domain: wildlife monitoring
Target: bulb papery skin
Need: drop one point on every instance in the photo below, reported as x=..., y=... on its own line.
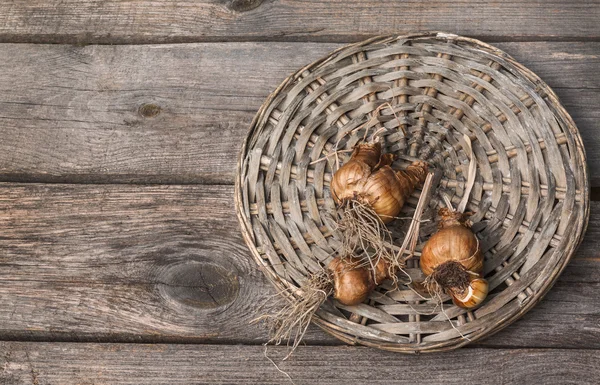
x=382, y=193
x=353, y=280
x=452, y=256
x=368, y=153
x=348, y=180
x=382, y=271
x=453, y=243
x=375, y=183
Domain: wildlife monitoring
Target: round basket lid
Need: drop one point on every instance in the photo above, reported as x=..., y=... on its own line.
x=425, y=92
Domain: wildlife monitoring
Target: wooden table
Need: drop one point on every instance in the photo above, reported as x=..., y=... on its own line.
x=121, y=259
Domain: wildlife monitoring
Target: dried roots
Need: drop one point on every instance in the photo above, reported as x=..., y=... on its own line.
x=291, y=322
x=448, y=275
x=365, y=235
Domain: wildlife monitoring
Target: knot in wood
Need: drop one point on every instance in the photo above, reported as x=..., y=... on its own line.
x=149, y=110
x=243, y=5
x=201, y=285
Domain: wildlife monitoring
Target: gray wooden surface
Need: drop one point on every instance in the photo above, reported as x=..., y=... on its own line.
x=80, y=114
x=121, y=259
x=160, y=263
x=163, y=21
x=92, y=363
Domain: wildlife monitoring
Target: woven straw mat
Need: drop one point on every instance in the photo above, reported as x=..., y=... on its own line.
x=530, y=200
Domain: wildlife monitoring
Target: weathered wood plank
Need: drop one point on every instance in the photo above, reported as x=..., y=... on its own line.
x=84, y=114
x=156, y=263
x=167, y=263
x=94, y=21
x=69, y=363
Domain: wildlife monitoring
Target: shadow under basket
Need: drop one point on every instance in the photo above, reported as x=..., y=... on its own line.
x=423, y=92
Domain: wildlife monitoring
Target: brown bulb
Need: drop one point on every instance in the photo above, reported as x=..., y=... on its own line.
x=453, y=258
x=387, y=190
x=368, y=153
x=353, y=279
x=368, y=178
x=352, y=282
x=382, y=271
x=454, y=241
x=348, y=179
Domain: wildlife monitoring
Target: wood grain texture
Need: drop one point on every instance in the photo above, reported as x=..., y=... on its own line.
x=134, y=22
x=68, y=363
x=167, y=263
x=157, y=263
x=178, y=113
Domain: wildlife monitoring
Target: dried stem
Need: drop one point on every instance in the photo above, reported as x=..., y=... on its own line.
x=447, y=201
x=412, y=234
x=470, y=177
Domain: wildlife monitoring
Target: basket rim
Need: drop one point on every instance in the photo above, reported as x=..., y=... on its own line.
x=451, y=344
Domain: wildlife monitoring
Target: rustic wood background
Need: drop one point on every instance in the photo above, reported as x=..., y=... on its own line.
x=121, y=259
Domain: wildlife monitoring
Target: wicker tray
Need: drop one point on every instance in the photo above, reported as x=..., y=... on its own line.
x=530, y=199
